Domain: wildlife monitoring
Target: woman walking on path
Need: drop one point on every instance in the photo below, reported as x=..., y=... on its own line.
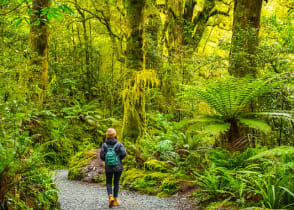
x=112, y=152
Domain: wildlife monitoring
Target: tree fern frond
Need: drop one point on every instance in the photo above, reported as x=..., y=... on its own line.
x=207, y=118
x=289, y=115
x=256, y=124
x=216, y=129
x=278, y=151
x=228, y=97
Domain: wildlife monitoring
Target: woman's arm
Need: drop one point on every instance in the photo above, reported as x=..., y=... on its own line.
x=122, y=152
x=103, y=152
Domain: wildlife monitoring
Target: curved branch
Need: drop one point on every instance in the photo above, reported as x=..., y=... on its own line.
x=14, y=9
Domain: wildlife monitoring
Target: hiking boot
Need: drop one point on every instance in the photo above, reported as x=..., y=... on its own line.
x=111, y=201
x=116, y=203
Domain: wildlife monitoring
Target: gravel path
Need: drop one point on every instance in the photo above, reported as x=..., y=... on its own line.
x=75, y=195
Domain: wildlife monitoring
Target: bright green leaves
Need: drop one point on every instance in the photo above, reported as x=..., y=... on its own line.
x=45, y=15
x=56, y=12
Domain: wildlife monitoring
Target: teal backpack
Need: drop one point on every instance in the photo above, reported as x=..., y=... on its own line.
x=111, y=158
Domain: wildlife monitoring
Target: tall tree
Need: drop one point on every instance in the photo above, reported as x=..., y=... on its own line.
x=39, y=41
x=133, y=99
x=134, y=51
x=246, y=26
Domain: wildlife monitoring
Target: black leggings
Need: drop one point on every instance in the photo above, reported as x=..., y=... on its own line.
x=109, y=176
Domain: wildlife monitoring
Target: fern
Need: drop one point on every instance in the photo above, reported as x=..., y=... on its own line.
x=229, y=97
x=278, y=151
x=256, y=124
x=217, y=128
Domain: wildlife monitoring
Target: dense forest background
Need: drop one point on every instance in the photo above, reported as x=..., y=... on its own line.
x=201, y=92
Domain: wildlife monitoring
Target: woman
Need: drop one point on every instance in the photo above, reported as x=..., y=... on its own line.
x=112, y=152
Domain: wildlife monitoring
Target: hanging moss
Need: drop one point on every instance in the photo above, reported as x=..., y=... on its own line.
x=133, y=97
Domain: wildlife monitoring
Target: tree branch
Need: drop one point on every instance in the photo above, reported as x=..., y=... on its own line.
x=14, y=9
x=217, y=12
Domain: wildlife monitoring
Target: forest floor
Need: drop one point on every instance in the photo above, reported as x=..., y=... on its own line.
x=76, y=195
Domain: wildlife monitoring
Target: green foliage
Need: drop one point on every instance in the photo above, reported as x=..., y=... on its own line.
x=169, y=186
x=155, y=165
x=278, y=151
x=93, y=86
x=229, y=97
x=266, y=182
x=150, y=182
x=256, y=124
x=24, y=181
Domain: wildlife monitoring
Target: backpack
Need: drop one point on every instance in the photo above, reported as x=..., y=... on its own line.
x=111, y=158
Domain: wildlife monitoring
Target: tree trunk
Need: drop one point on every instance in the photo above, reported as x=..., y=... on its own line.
x=201, y=22
x=152, y=23
x=132, y=128
x=245, y=37
x=39, y=41
x=134, y=51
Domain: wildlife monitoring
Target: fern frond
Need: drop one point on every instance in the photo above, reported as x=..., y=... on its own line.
x=278, y=151
x=230, y=96
x=256, y=124
x=216, y=129
x=208, y=119
x=289, y=115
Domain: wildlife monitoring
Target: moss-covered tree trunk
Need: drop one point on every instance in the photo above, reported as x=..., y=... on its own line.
x=39, y=42
x=245, y=37
x=151, y=27
x=201, y=21
x=134, y=50
x=134, y=116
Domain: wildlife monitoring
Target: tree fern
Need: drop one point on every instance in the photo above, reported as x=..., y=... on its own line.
x=230, y=98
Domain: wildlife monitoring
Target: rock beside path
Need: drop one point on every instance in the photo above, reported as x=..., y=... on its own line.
x=76, y=195
x=87, y=166
x=95, y=170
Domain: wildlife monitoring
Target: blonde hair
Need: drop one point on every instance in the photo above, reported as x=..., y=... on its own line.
x=110, y=133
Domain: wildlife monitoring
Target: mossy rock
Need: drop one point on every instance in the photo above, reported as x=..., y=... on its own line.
x=155, y=165
x=75, y=173
x=129, y=177
x=86, y=166
x=150, y=182
x=76, y=164
x=223, y=205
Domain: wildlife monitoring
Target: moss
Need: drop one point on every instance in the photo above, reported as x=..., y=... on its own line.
x=75, y=173
x=157, y=176
x=99, y=179
x=147, y=186
x=223, y=204
x=170, y=186
x=149, y=182
x=129, y=177
x=155, y=165
x=77, y=162
x=162, y=194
